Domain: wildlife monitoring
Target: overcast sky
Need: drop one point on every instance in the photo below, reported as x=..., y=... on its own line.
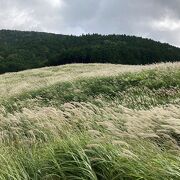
x=156, y=19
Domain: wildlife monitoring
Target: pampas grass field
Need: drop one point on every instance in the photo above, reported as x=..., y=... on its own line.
x=91, y=121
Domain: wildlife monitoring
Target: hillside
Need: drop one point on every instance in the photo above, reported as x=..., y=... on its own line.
x=26, y=50
x=91, y=121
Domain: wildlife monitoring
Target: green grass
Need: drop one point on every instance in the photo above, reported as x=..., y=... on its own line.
x=80, y=157
x=151, y=87
x=114, y=126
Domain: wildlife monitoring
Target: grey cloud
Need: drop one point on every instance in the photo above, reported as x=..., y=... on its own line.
x=157, y=19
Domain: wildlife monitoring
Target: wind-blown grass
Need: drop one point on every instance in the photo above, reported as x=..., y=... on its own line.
x=137, y=90
x=81, y=157
x=116, y=123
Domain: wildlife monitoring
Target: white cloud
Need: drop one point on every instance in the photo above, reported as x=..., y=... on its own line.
x=55, y=3
x=14, y=18
x=157, y=19
x=166, y=24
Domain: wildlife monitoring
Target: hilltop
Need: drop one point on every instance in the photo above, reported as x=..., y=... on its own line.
x=26, y=50
x=91, y=121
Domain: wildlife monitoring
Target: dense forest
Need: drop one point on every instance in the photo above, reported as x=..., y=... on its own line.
x=25, y=50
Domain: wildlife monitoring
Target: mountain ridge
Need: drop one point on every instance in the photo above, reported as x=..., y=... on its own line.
x=21, y=50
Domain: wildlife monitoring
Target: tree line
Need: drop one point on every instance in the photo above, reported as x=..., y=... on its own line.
x=21, y=50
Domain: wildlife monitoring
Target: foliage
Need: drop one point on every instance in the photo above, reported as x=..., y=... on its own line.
x=27, y=50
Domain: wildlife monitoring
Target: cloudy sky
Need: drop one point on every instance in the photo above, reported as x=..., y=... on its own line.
x=156, y=19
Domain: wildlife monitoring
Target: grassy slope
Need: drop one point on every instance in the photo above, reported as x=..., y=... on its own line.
x=91, y=122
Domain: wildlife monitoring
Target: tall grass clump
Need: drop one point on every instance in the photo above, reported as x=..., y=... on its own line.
x=137, y=90
x=94, y=122
x=80, y=157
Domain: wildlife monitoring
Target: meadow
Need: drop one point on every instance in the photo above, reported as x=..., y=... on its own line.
x=91, y=121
